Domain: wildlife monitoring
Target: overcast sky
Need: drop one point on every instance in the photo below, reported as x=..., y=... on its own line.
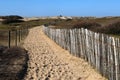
x=30, y=8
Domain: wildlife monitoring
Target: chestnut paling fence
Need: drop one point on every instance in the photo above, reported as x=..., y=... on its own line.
x=101, y=51
x=12, y=37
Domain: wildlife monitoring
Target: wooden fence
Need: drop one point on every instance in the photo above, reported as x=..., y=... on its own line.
x=12, y=37
x=101, y=51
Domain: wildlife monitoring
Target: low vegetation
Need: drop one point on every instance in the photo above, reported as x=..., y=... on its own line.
x=13, y=63
x=107, y=25
x=113, y=28
x=102, y=25
x=11, y=19
x=86, y=24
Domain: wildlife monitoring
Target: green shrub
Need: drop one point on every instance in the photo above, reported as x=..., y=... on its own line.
x=11, y=19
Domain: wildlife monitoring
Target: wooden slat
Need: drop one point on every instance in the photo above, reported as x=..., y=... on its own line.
x=101, y=51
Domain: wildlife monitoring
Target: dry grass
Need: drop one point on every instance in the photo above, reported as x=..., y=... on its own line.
x=13, y=63
x=101, y=25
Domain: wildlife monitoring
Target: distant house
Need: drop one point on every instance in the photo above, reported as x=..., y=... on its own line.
x=54, y=17
x=1, y=21
x=62, y=17
x=69, y=18
x=65, y=17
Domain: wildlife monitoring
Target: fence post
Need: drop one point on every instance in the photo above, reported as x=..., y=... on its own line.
x=16, y=38
x=9, y=38
x=19, y=35
x=115, y=56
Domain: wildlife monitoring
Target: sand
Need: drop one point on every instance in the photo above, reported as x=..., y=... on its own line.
x=48, y=61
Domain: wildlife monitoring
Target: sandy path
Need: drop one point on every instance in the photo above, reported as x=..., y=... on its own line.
x=48, y=61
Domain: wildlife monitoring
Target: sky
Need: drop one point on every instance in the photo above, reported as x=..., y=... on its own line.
x=38, y=8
